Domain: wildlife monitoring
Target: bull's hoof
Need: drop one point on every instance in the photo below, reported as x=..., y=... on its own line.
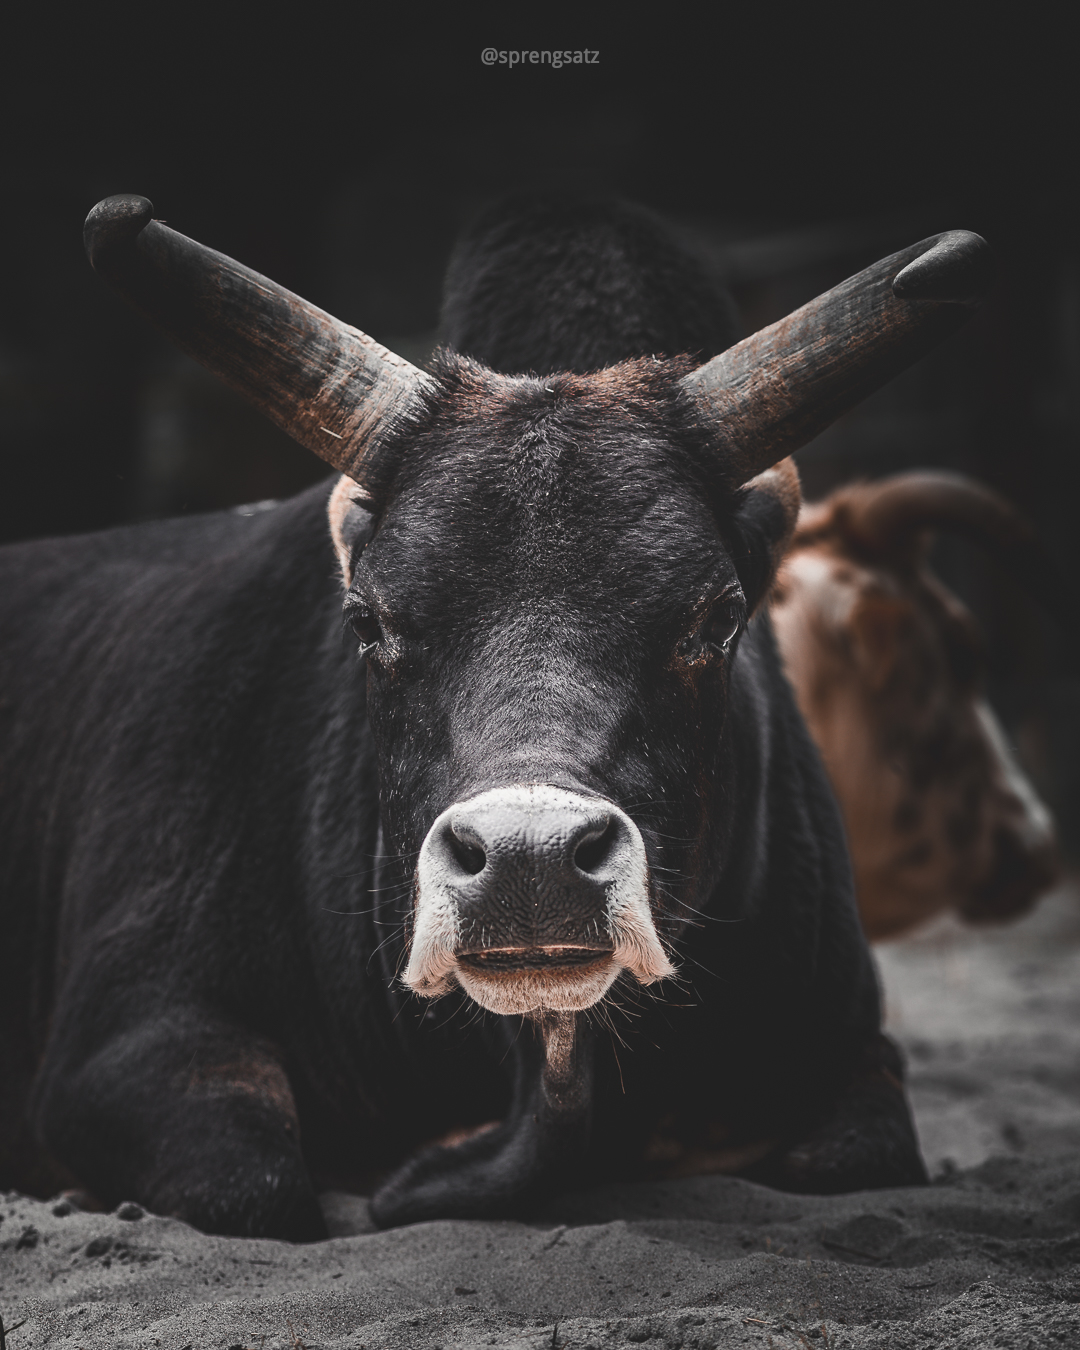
x=293, y=1218
x=239, y=1192
x=506, y=1170
x=503, y=1172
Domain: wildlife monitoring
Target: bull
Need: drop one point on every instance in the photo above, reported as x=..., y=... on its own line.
x=887, y=666
x=541, y=841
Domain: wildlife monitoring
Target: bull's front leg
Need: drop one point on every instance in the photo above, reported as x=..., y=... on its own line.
x=187, y=1114
x=867, y=1141
x=539, y=1146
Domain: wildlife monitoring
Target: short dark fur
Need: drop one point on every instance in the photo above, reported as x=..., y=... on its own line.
x=207, y=885
x=548, y=285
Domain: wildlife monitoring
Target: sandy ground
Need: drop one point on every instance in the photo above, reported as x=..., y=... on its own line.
x=987, y=1256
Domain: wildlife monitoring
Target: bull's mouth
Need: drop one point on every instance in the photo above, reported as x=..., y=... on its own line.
x=506, y=960
x=530, y=980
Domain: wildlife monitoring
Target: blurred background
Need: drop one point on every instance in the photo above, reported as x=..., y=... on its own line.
x=338, y=149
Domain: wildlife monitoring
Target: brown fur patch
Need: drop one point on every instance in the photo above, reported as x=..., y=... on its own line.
x=261, y=1078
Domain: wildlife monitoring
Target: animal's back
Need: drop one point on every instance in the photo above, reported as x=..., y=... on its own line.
x=100, y=614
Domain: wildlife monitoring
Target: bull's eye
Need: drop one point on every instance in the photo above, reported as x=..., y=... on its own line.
x=366, y=627
x=721, y=628
x=714, y=637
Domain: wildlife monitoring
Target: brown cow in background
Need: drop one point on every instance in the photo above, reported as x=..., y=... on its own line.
x=886, y=665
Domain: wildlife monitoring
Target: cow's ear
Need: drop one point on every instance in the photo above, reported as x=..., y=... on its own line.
x=762, y=527
x=352, y=522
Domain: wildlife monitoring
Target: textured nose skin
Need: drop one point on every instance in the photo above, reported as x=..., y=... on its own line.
x=530, y=874
x=521, y=887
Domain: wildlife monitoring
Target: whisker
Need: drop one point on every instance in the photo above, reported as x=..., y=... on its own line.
x=711, y=973
x=379, y=948
x=375, y=858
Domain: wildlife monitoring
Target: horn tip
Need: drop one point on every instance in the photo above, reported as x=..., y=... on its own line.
x=958, y=268
x=115, y=220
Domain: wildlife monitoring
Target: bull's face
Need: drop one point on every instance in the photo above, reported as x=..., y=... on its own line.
x=548, y=608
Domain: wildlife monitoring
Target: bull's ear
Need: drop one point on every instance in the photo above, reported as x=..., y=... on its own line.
x=352, y=522
x=762, y=528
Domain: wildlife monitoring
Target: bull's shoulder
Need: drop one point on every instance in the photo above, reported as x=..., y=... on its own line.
x=789, y=858
x=783, y=790
x=168, y=681
x=763, y=706
x=779, y=761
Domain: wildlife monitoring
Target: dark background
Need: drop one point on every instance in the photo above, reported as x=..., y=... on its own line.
x=338, y=149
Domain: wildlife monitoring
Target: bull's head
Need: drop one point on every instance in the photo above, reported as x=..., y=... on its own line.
x=887, y=667
x=549, y=578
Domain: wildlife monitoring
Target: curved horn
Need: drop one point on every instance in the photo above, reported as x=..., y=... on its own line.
x=776, y=390
x=887, y=516
x=327, y=384
x=884, y=522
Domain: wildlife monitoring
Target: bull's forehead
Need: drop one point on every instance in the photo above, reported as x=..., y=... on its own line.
x=545, y=498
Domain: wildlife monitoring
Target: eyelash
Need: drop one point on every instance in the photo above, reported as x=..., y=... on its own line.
x=365, y=627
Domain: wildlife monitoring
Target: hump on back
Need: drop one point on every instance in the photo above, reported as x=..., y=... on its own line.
x=541, y=285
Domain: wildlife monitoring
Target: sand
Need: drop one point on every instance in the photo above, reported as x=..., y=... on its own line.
x=989, y=1255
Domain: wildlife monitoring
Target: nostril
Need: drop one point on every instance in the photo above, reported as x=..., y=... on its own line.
x=470, y=857
x=593, y=850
